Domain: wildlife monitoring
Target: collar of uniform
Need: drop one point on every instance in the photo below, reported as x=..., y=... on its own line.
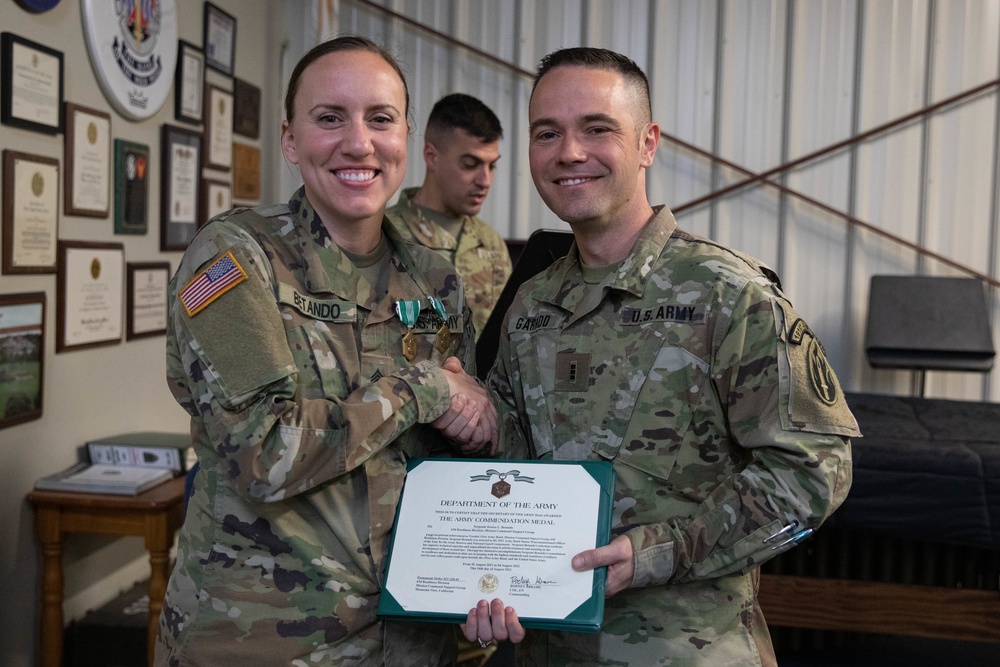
x=402, y=250
x=413, y=217
x=634, y=273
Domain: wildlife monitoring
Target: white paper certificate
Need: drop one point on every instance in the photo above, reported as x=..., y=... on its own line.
x=473, y=530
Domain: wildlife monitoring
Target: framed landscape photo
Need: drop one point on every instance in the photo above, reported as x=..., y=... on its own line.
x=246, y=172
x=220, y=39
x=246, y=109
x=31, y=85
x=131, y=187
x=87, y=156
x=146, y=299
x=89, y=295
x=218, y=128
x=30, y=212
x=180, y=178
x=216, y=198
x=22, y=357
x=189, y=83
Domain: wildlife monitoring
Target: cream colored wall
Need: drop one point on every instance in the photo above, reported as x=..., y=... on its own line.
x=118, y=388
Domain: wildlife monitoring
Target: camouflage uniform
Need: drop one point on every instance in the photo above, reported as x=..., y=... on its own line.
x=302, y=438
x=691, y=372
x=479, y=254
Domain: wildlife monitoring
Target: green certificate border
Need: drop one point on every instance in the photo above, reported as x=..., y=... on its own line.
x=588, y=617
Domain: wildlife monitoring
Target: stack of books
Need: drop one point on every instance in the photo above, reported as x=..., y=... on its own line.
x=125, y=464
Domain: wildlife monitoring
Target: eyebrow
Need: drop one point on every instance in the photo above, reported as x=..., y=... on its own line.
x=342, y=108
x=588, y=118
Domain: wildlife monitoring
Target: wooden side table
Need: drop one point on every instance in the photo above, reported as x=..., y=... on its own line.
x=155, y=515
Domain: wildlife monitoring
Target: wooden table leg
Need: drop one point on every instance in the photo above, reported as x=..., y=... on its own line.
x=159, y=539
x=51, y=633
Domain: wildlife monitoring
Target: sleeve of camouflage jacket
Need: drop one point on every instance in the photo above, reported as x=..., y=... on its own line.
x=232, y=369
x=798, y=458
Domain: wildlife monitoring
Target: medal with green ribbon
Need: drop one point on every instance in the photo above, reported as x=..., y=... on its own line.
x=442, y=341
x=408, y=312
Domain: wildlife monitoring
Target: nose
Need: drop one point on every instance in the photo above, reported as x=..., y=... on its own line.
x=358, y=139
x=484, y=176
x=571, y=150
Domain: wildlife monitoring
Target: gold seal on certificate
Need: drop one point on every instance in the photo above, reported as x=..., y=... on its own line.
x=484, y=529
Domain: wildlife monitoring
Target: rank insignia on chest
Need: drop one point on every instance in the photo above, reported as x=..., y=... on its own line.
x=409, y=346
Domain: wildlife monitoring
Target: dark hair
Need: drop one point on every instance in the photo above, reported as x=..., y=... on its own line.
x=465, y=113
x=345, y=43
x=594, y=58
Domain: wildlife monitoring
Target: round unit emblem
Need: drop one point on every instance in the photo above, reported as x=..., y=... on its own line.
x=133, y=49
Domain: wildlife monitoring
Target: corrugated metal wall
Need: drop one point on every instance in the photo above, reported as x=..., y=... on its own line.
x=759, y=83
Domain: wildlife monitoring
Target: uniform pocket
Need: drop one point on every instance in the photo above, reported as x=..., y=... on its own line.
x=321, y=370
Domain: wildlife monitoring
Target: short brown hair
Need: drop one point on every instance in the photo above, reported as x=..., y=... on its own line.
x=344, y=43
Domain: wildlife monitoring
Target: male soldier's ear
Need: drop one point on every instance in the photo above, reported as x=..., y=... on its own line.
x=430, y=154
x=650, y=137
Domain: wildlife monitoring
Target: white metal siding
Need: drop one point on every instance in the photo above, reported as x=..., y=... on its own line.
x=760, y=83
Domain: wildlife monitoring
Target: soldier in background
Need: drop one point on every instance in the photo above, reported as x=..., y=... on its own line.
x=681, y=362
x=461, y=151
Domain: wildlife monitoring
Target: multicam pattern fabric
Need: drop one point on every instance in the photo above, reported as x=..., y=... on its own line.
x=303, y=413
x=690, y=371
x=479, y=254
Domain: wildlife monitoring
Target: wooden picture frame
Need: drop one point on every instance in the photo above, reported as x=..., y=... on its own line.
x=89, y=290
x=31, y=85
x=87, y=158
x=180, y=179
x=246, y=172
x=218, y=152
x=22, y=357
x=216, y=198
x=146, y=288
x=30, y=213
x=189, y=83
x=219, y=39
x=246, y=109
x=131, y=187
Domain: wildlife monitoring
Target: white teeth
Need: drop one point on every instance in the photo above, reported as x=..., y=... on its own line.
x=573, y=181
x=356, y=175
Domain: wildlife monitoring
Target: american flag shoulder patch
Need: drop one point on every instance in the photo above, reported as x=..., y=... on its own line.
x=222, y=275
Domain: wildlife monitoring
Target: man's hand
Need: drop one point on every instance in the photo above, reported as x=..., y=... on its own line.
x=617, y=556
x=491, y=620
x=471, y=420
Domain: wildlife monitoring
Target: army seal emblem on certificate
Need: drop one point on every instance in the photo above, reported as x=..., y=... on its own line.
x=488, y=583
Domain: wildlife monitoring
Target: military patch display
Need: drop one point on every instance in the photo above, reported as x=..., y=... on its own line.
x=223, y=275
x=821, y=376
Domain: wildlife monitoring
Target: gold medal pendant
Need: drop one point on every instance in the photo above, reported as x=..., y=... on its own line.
x=442, y=341
x=409, y=346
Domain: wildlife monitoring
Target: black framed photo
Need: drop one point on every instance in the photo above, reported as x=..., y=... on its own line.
x=189, y=83
x=246, y=109
x=22, y=341
x=87, y=156
x=30, y=212
x=220, y=39
x=89, y=295
x=218, y=152
x=31, y=85
x=180, y=183
x=131, y=187
x=146, y=299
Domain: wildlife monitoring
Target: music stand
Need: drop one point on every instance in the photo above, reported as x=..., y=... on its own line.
x=927, y=323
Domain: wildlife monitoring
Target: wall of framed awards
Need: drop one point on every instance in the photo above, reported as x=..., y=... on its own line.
x=124, y=126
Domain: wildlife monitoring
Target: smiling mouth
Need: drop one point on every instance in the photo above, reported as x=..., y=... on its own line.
x=573, y=181
x=356, y=175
